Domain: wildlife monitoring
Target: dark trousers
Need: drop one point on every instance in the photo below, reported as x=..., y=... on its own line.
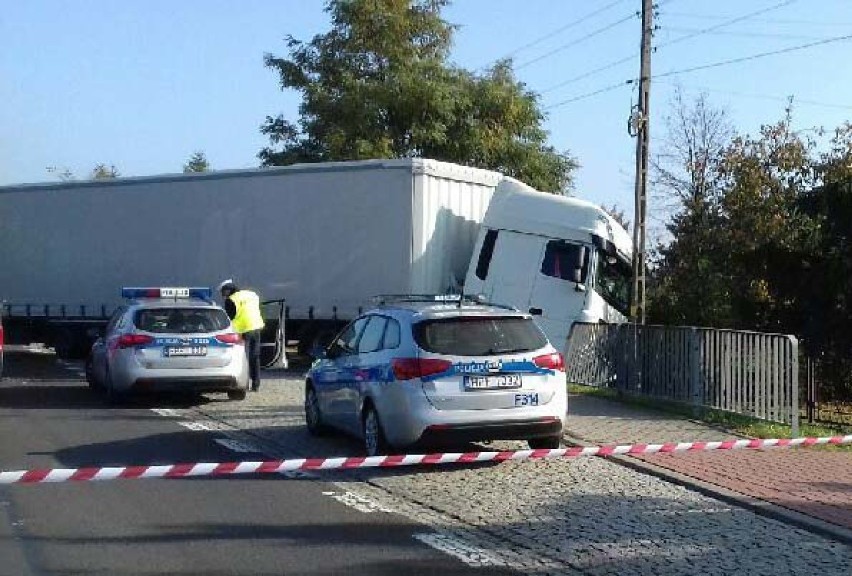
x=252, y=339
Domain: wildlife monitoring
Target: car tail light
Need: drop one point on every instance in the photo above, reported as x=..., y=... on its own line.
x=132, y=340
x=229, y=338
x=409, y=368
x=553, y=361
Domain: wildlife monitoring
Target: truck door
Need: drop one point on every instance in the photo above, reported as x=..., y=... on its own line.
x=559, y=289
x=509, y=275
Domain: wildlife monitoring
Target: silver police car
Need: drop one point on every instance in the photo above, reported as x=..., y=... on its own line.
x=417, y=370
x=168, y=339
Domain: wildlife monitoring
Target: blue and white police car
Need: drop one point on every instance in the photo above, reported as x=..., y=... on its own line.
x=168, y=339
x=421, y=369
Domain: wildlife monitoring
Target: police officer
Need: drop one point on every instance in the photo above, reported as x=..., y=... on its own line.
x=243, y=308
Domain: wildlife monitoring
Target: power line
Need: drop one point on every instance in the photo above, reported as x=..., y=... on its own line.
x=753, y=56
x=746, y=34
x=572, y=24
x=764, y=96
x=590, y=94
x=728, y=23
x=558, y=49
x=703, y=67
x=763, y=20
x=589, y=73
x=692, y=34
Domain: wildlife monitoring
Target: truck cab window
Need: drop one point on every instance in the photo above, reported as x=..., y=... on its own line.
x=612, y=282
x=562, y=258
x=485, y=254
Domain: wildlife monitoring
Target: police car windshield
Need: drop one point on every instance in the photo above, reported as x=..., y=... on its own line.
x=180, y=320
x=479, y=336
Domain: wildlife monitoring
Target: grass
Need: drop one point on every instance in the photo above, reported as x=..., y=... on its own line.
x=737, y=423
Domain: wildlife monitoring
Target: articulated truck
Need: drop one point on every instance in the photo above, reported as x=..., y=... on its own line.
x=317, y=241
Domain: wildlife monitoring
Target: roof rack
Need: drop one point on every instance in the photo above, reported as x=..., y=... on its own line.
x=459, y=299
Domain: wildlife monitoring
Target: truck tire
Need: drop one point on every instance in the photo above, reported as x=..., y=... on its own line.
x=236, y=395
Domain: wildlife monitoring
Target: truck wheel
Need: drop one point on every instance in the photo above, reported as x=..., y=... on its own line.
x=548, y=443
x=236, y=395
x=374, y=438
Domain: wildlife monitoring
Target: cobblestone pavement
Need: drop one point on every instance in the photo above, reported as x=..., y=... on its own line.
x=814, y=482
x=583, y=516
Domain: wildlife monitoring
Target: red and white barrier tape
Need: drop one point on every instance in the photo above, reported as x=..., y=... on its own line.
x=277, y=466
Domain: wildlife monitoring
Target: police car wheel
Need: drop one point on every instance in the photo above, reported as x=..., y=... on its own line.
x=374, y=439
x=548, y=443
x=313, y=416
x=236, y=395
x=113, y=396
x=90, y=376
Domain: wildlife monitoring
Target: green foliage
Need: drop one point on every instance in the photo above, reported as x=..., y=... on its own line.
x=378, y=85
x=768, y=246
x=196, y=163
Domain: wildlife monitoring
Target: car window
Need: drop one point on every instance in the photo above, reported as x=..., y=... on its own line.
x=116, y=316
x=561, y=258
x=371, y=339
x=478, y=336
x=391, y=337
x=181, y=320
x=346, y=342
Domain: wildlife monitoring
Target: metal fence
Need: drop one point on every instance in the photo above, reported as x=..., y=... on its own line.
x=749, y=373
x=821, y=402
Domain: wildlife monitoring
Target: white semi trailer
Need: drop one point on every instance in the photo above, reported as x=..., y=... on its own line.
x=324, y=238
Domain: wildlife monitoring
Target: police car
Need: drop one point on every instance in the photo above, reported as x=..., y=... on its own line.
x=417, y=369
x=168, y=339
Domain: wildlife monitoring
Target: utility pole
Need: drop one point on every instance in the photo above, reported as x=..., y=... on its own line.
x=639, y=126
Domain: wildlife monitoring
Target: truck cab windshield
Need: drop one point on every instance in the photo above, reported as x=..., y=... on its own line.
x=612, y=281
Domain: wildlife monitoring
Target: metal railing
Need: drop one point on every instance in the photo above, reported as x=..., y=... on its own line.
x=749, y=373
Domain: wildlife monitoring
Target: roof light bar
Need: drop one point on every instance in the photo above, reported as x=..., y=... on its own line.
x=167, y=292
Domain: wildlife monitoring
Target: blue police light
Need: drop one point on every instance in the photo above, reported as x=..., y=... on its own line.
x=167, y=292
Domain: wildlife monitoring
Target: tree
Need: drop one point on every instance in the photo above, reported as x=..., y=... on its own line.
x=688, y=281
x=378, y=85
x=103, y=172
x=196, y=163
x=617, y=214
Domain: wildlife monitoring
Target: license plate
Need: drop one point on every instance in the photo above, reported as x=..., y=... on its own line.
x=495, y=382
x=186, y=351
x=526, y=399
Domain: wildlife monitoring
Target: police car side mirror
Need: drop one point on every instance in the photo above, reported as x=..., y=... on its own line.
x=318, y=353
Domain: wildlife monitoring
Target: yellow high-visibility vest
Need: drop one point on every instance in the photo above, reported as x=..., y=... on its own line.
x=248, y=316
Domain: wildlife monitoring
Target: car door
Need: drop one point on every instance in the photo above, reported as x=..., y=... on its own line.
x=100, y=348
x=369, y=369
x=335, y=373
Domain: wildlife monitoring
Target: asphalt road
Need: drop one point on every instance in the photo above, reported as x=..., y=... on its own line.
x=243, y=525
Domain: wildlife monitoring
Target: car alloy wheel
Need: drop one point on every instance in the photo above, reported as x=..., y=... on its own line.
x=374, y=438
x=313, y=419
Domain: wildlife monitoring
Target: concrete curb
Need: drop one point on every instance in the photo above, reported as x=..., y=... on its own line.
x=761, y=507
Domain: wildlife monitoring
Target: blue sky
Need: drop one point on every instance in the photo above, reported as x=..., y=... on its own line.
x=142, y=85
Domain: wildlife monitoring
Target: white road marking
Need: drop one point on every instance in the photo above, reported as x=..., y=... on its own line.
x=469, y=554
x=167, y=412
x=359, y=502
x=237, y=446
x=196, y=426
